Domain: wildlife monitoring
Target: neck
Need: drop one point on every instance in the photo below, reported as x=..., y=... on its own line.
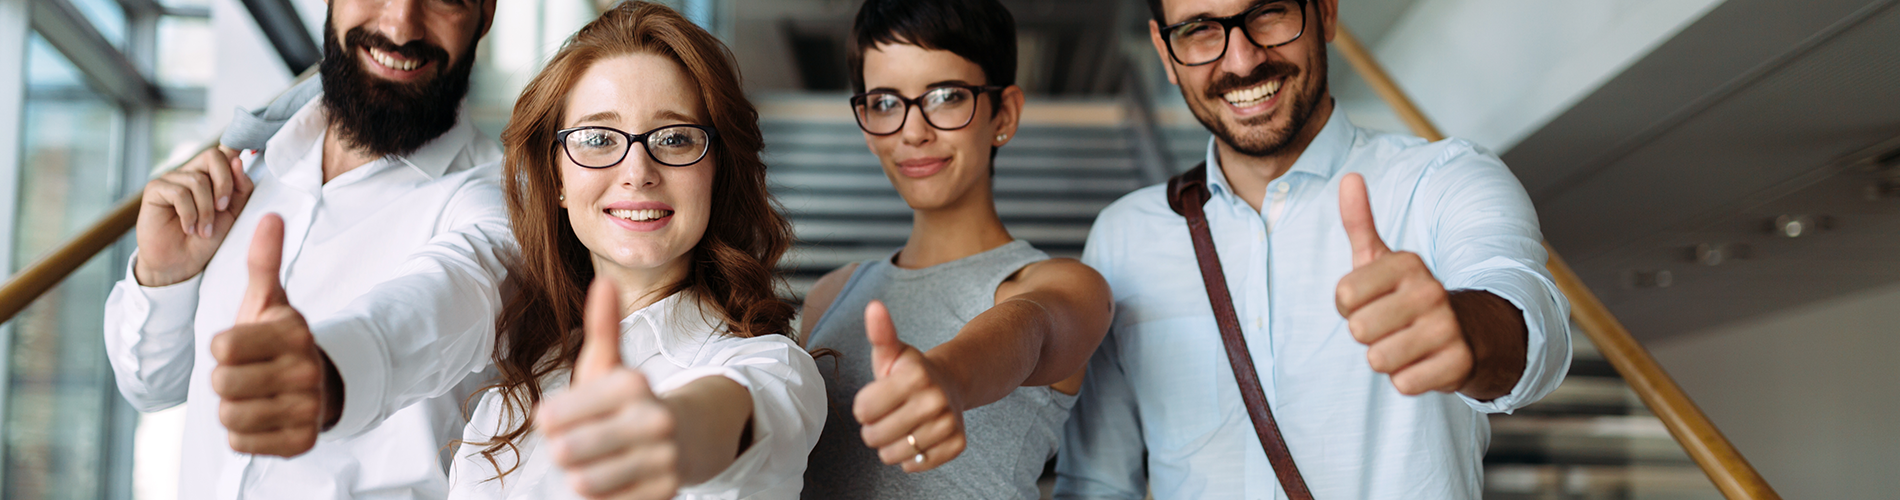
x=640, y=288
x=339, y=156
x=960, y=229
x=1249, y=175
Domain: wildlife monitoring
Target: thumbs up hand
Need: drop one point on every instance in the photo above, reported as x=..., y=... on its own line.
x=277, y=389
x=910, y=413
x=1393, y=304
x=608, y=431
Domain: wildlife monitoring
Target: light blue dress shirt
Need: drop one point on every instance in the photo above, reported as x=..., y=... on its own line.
x=1160, y=382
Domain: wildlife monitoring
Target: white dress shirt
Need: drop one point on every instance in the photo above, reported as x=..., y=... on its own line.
x=673, y=342
x=1161, y=384
x=397, y=266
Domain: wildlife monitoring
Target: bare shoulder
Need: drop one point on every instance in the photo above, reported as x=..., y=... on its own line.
x=1059, y=274
x=819, y=298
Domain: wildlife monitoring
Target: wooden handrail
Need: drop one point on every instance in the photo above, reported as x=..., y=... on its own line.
x=35, y=279
x=1718, y=458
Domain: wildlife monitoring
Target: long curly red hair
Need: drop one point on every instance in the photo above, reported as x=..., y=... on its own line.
x=732, y=269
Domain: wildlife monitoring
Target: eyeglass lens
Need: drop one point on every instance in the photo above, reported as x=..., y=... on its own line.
x=603, y=147
x=1268, y=25
x=946, y=108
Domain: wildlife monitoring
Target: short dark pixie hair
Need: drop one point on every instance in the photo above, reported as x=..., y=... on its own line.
x=1160, y=12
x=981, y=31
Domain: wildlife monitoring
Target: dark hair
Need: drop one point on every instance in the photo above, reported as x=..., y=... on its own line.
x=1160, y=12
x=731, y=274
x=981, y=31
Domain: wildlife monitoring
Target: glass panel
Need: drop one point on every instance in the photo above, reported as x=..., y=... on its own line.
x=60, y=385
x=185, y=3
x=106, y=16
x=176, y=136
x=183, y=46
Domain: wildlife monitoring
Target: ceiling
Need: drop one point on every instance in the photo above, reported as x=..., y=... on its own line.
x=1760, y=109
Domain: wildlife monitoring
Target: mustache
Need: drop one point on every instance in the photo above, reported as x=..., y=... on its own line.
x=1267, y=70
x=417, y=50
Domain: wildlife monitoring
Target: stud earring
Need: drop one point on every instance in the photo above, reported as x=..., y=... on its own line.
x=1002, y=137
x=563, y=197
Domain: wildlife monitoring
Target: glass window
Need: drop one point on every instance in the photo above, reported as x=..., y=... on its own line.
x=107, y=16
x=184, y=49
x=60, y=387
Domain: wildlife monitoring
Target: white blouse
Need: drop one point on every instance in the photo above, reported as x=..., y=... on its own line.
x=673, y=342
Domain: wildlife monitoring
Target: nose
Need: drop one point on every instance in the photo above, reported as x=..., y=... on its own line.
x=638, y=170
x=1242, y=55
x=401, y=21
x=917, y=130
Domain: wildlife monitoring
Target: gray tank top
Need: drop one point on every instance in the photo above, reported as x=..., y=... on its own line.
x=1009, y=441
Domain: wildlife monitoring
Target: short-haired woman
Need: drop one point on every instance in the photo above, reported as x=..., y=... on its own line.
x=960, y=354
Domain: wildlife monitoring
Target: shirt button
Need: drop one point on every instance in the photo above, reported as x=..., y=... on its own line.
x=1282, y=187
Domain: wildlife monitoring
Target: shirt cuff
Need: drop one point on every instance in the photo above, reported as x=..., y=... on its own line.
x=1546, y=325
x=357, y=354
x=166, y=308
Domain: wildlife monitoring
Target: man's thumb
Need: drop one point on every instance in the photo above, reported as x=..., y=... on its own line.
x=600, y=325
x=882, y=333
x=1355, y=212
x=266, y=259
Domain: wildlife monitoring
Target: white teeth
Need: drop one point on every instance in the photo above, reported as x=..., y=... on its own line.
x=391, y=62
x=1253, y=95
x=640, y=215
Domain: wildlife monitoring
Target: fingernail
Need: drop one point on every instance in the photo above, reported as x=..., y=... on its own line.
x=207, y=230
x=223, y=203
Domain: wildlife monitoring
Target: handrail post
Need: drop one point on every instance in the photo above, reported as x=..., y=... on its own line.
x=1699, y=437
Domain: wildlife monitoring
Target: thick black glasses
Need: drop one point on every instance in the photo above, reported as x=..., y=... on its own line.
x=602, y=147
x=946, y=107
x=1271, y=24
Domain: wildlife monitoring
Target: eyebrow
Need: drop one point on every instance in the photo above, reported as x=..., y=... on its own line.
x=667, y=114
x=930, y=86
x=603, y=116
x=608, y=116
x=1210, y=14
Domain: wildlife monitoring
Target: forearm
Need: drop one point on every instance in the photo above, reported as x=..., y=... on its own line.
x=994, y=353
x=710, y=415
x=1495, y=331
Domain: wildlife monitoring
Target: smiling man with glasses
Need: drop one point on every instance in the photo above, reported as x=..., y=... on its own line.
x=1319, y=310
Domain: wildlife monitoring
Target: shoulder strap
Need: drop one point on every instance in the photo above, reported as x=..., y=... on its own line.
x=1186, y=195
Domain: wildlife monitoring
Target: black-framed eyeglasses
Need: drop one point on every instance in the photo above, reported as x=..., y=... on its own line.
x=946, y=107
x=1195, y=42
x=602, y=147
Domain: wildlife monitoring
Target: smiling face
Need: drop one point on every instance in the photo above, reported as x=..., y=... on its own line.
x=934, y=168
x=1256, y=100
x=637, y=217
x=394, y=73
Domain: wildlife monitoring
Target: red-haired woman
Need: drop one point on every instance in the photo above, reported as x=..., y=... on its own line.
x=633, y=163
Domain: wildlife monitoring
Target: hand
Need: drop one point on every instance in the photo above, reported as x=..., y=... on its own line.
x=273, y=381
x=1393, y=304
x=609, y=432
x=910, y=414
x=185, y=214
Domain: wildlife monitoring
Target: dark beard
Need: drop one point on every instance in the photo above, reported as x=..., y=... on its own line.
x=381, y=117
x=1271, y=142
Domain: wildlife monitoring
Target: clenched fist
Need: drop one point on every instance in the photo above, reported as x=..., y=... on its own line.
x=910, y=414
x=278, y=389
x=185, y=214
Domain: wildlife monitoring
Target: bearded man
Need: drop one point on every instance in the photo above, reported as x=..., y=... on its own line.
x=322, y=308
x=1385, y=292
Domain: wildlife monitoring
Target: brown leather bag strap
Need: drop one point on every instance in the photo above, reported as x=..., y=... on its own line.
x=1186, y=194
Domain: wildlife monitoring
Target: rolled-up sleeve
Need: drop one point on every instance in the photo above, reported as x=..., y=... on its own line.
x=422, y=332
x=149, y=340
x=788, y=410
x=1485, y=236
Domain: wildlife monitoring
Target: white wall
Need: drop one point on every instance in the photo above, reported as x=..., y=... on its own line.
x=1810, y=395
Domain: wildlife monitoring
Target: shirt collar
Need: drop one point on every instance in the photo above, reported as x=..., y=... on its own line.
x=305, y=130
x=1322, y=157
x=676, y=326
